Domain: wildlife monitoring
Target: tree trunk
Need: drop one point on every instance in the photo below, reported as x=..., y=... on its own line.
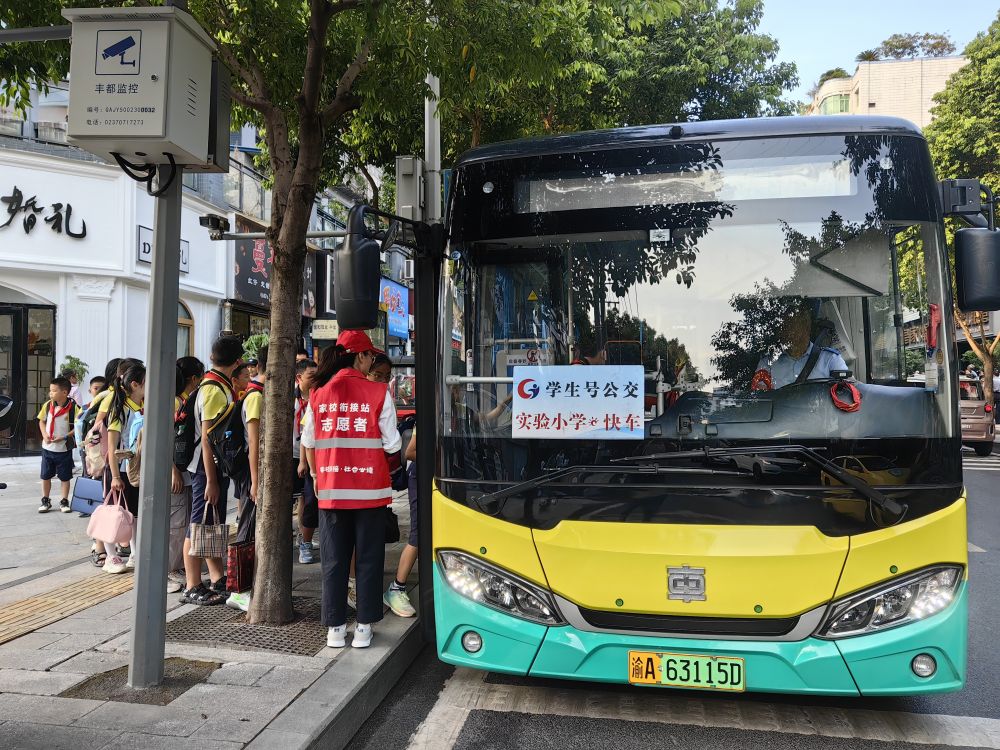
x=271, y=603
x=983, y=349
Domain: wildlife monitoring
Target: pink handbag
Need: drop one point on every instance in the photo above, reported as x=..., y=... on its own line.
x=111, y=523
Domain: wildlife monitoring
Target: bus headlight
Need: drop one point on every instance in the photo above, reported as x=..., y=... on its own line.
x=487, y=584
x=899, y=602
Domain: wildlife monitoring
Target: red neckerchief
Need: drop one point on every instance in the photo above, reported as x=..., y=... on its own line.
x=254, y=387
x=52, y=416
x=300, y=407
x=217, y=377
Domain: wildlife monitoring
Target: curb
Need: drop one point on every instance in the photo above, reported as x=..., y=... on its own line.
x=329, y=713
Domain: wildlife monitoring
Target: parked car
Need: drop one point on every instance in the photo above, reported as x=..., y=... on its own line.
x=773, y=468
x=875, y=470
x=977, y=417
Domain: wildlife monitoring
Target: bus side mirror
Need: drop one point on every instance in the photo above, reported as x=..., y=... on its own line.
x=977, y=269
x=356, y=268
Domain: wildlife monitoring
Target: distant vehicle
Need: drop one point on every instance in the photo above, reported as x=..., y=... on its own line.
x=978, y=428
x=771, y=468
x=977, y=416
x=875, y=470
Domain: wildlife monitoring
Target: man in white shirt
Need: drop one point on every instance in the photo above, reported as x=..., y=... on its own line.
x=796, y=332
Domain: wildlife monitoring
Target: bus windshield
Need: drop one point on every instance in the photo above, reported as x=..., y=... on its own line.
x=747, y=278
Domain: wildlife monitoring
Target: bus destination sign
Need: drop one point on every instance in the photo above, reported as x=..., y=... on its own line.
x=578, y=402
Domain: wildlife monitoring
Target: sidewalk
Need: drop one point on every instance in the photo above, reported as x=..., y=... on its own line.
x=62, y=621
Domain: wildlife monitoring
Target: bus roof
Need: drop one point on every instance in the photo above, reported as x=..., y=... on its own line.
x=763, y=127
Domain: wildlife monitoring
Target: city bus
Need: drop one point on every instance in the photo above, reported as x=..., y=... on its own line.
x=786, y=515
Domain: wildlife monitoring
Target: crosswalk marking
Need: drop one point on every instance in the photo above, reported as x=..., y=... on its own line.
x=975, y=548
x=466, y=691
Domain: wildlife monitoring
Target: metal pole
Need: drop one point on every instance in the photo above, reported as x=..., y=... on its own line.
x=427, y=269
x=432, y=152
x=150, y=611
x=36, y=34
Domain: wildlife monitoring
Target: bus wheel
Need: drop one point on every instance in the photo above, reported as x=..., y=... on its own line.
x=983, y=449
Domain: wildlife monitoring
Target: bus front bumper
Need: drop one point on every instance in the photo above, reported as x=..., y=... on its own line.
x=874, y=664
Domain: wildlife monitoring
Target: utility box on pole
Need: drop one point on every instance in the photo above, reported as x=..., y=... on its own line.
x=410, y=196
x=141, y=85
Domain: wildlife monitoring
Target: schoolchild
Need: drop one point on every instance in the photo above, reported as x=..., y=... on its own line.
x=209, y=485
x=55, y=422
x=126, y=406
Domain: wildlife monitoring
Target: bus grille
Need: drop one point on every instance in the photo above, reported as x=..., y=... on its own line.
x=681, y=624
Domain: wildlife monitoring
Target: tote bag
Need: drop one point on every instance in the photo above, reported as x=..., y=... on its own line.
x=209, y=539
x=112, y=523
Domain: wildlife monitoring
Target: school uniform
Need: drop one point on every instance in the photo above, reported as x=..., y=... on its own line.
x=57, y=425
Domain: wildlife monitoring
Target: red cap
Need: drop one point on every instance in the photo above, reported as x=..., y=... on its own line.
x=356, y=342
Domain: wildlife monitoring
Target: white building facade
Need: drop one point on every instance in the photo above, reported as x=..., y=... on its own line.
x=895, y=88
x=75, y=245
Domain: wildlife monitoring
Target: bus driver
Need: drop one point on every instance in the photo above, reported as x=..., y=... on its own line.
x=799, y=352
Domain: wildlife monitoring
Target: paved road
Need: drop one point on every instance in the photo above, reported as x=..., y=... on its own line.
x=437, y=706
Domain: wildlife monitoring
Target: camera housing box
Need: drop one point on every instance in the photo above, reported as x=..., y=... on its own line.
x=141, y=86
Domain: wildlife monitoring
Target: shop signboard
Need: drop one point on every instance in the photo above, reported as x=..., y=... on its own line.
x=328, y=330
x=254, y=269
x=395, y=299
x=144, y=249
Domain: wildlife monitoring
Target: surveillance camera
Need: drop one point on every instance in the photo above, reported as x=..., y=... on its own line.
x=214, y=223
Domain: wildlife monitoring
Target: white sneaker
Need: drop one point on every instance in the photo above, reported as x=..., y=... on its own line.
x=173, y=586
x=130, y=564
x=239, y=601
x=115, y=564
x=362, y=636
x=337, y=637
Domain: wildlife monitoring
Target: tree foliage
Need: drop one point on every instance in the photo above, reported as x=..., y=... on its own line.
x=901, y=46
x=964, y=140
x=601, y=69
x=709, y=63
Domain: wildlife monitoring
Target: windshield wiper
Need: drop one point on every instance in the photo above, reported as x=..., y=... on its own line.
x=895, y=509
x=558, y=474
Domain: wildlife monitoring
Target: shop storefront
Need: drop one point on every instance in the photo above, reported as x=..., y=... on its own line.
x=27, y=361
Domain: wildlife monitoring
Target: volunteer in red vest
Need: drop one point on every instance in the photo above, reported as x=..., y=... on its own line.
x=350, y=430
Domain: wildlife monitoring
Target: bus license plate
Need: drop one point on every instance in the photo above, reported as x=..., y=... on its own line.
x=687, y=671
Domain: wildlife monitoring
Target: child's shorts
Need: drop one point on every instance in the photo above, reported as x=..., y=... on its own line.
x=56, y=463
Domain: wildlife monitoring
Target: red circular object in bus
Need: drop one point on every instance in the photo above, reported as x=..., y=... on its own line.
x=850, y=406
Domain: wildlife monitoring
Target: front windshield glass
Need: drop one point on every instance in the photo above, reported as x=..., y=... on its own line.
x=746, y=278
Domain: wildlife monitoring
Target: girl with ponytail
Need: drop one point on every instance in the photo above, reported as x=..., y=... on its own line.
x=126, y=405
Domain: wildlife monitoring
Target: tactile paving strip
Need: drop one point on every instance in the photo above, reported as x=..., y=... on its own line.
x=28, y=615
x=223, y=627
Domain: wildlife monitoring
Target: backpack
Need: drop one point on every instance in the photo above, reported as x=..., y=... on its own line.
x=135, y=445
x=186, y=439
x=90, y=416
x=94, y=452
x=228, y=439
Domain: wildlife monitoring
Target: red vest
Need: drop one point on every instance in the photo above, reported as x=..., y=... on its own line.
x=351, y=468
